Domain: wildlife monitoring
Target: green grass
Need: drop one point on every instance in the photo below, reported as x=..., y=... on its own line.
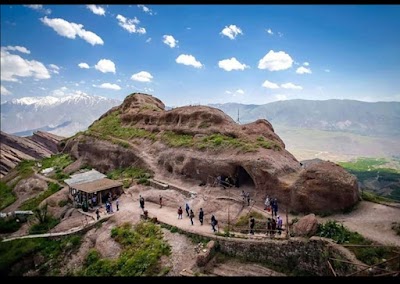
x=14, y=251
x=142, y=248
x=41, y=228
x=25, y=168
x=7, y=197
x=9, y=226
x=367, y=254
x=34, y=202
x=57, y=161
x=372, y=197
x=130, y=173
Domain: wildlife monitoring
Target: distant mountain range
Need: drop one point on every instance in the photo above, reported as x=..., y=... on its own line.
x=380, y=119
x=62, y=116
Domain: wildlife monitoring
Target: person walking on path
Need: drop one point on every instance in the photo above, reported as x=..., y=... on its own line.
x=252, y=223
x=187, y=208
x=214, y=222
x=98, y=213
x=248, y=198
x=191, y=216
x=279, y=223
x=117, y=204
x=160, y=201
x=180, y=211
x=141, y=201
x=201, y=216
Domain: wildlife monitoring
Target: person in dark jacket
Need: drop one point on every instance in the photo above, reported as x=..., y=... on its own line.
x=201, y=216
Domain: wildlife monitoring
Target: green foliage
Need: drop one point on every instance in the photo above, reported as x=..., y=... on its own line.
x=267, y=144
x=337, y=232
x=59, y=161
x=111, y=126
x=44, y=226
x=25, y=168
x=63, y=202
x=130, y=173
x=216, y=141
x=177, y=140
x=6, y=194
x=244, y=219
x=9, y=225
x=142, y=247
x=14, y=251
x=34, y=202
x=373, y=197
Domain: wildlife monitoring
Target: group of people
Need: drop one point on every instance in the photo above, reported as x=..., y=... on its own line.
x=272, y=227
x=271, y=205
x=191, y=215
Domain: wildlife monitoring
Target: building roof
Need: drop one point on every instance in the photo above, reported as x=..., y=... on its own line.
x=88, y=176
x=97, y=185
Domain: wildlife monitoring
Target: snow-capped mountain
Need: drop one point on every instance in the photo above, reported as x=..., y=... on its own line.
x=61, y=115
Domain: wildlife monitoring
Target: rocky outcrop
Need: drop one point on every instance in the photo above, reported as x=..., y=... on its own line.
x=307, y=226
x=15, y=149
x=324, y=187
x=200, y=143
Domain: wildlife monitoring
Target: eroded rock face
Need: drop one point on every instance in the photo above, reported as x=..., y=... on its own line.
x=261, y=162
x=324, y=187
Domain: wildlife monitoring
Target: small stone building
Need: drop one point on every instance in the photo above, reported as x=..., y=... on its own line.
x=92, y=186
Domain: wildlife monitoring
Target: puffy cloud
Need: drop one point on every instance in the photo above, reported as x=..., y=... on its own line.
x=281, y=97
x=109, y=86
x=54, y=68
x=270, y=31
x=231, y=64
x=17, y=48
x=130, y=24
x=105, y=65
x=240, y=91
x=303, y=70
x=148, y=40
x=4, y=91
x=13, y=66
x=83, y=65
x=232, y=31
x=169, y=40
x=306, y=64
x=190, y=60
x=270, y=85
x=142, y=76
x=96, y=10
x=71, y=30
x=145, y=9
x=291, y=86
x=275, y=61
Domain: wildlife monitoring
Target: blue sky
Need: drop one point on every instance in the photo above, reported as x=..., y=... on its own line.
x=201, y=54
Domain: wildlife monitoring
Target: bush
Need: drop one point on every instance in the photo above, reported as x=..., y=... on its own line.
x=9, y=226
x=7, y=196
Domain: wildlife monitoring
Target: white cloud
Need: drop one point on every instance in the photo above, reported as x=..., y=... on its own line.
x=109, y=86
x=145, y=9
x=13, y=65
x=231, y=64
x=270, y=31
x=4, y=91
x=105, y=65
x=54, y=68
x=71, y=30
x=169, y=40
x=306, y=64
x=270, y=85
x=228, y=92
x=17, y=48
x=83, y=65
x=39, y=8
x=130, y=24
x=275, y=61
x=142, y=76
x=148, y=40
x=327, y=70
x=232, y=31
x=240, y=91
x=190, y=60
x=96, y=10
x=291, y=86
x=148, y=90
x=303, y=70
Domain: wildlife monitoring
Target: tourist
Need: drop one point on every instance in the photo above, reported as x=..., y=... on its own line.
x=201, y=216
x=214, y=222
x=160, y=201
x=141, y=201
x=252, y=224
x=180, y=211
x=191, y=216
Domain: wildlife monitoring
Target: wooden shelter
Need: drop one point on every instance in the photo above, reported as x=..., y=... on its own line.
x=93, y=187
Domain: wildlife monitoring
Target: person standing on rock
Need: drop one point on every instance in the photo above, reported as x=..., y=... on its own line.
x=252, y=223
x=117, y=204
x=279, y=223
x=191, y=216
x=201, y=216
x=180, y=211
x=248, y=198
x=187, y=208
x=160, y=201
x=98, y=213
x=214, y=222
x=141, y=201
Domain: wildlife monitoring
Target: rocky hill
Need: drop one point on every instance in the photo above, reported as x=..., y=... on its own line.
x=200, y=143
x=14, y=148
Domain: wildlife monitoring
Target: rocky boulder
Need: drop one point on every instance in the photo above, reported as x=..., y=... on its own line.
x=307, y=226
